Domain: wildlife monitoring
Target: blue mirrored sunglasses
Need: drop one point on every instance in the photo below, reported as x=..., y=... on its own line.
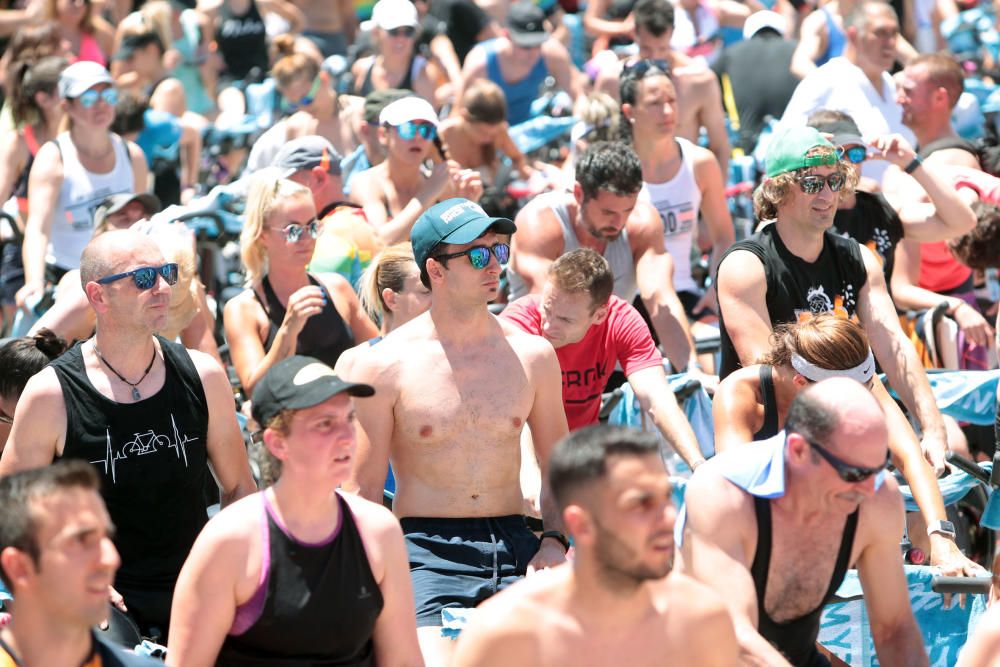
x=306, y=100
x=89, y=97
x=854, y=154
x=479, y=256
x=294, y=231
x=409, y=130
x=145, y=276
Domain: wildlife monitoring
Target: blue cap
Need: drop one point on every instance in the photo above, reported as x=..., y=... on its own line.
x=455, y=221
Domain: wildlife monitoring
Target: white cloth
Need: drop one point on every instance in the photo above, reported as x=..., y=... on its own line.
x=842, y=86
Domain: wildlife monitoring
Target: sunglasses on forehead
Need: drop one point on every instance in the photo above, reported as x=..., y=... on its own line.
x=848, y=472
x=479, y=256
x=813, y=183
x=145, y=276
x=640, y=68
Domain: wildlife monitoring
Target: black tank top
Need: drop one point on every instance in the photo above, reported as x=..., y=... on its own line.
x=321, y=603
x=406, y=84
x=948, y=142
x=796, y=639
x=242, y=41
x=874, y=223
x=797, y=289
x=152, y=458
x=325, y=335
x=770, y=426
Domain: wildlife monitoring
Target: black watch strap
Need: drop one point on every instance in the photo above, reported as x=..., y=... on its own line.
x=556, y=535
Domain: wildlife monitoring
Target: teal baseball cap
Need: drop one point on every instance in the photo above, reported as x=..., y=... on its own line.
x=789, y=151
x=456, y=221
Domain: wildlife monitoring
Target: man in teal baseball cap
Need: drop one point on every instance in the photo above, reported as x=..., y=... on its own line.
x=798, y=148
x=458, y=221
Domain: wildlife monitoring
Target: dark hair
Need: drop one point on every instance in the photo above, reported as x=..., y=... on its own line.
x=485, y=102
x=40, y=77
x=581, y=458
x=609, y=166
x=18, y=525
x=810, y=415
x=654, y=16
x=130, y=113
x=832, y=121
x=21, y=358
x=584, y=271
x=628, y=83
x=977, y=248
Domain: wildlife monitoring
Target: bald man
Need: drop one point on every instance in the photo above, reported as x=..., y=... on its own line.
x=146, y=412
x=774, y=526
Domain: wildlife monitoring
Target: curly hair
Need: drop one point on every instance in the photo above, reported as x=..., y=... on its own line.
x=774, y=192
x=977, y=249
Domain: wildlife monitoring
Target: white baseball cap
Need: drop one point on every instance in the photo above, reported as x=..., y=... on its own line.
x=392, y=14
x=764, y=19
x=408, y=109
x=81, y=76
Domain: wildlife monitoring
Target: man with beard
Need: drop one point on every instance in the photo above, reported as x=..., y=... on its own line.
x=616, y=603
x=774, y=526
x=603, y=213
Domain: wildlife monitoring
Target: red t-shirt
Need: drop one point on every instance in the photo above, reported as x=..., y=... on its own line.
x=623, y=337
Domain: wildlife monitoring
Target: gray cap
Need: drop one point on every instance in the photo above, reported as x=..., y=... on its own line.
x=307, y=152
x=81, y=76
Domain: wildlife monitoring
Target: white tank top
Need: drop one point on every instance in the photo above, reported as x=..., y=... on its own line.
x=617, y=252
x=678, y=202
x=82, y=192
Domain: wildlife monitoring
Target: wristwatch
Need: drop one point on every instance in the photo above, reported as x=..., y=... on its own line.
x=556, y=535
x=946, y=528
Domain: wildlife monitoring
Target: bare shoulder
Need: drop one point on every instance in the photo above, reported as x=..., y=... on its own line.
x=702, y=156
x=536, y=224
x=710, y=496
x=882, y=509
x=530, y=346
x=515, y=616
x=692, y=602
x=742, y=265
x=43, y=388
x=234, y=525
x=206, y=365
x=334, y=282
x=644, y=219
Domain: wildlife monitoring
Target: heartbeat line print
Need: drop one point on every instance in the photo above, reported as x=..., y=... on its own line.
x=143, y=444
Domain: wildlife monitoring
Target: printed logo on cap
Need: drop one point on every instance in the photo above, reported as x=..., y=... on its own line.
x=458, y=209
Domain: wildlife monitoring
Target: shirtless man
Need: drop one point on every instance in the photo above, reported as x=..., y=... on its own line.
x=699, y=100
x=603, y=213
x=331, y=24
x=454, y=388
x=773, y=527
x=615, y=604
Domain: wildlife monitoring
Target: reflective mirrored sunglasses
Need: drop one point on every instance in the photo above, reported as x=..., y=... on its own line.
x=847, y=472
x=89, y=97
x=813, y=183
x=306, y=100
x=853, y=154
x=145, y=276
x=479, y=256
x=403, y=31
x=409, y=130
x=294, y=231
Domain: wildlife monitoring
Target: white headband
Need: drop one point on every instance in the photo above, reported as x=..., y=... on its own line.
x=863, y=372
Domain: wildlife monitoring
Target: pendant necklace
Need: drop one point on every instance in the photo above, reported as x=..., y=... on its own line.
x=135, y=391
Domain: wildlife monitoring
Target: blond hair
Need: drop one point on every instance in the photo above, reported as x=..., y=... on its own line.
x=268, y=190
x=774, y=192
x=388, y=270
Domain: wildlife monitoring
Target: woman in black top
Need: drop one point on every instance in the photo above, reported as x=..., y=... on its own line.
x=299, y=574
x=287, y=311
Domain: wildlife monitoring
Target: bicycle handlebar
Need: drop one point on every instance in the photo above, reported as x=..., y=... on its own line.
x=968, y=466
x=968, y=585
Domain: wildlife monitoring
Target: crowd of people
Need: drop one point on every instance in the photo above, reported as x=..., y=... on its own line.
x=390, y=433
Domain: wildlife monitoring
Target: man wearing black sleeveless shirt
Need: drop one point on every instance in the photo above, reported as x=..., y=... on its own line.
x=146, y=412
x=795, y=267
x=774, y=525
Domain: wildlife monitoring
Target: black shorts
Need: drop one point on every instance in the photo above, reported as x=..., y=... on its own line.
x=461, y=562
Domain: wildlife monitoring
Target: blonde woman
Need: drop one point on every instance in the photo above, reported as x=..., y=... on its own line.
x=285, y=310
x=390, y=293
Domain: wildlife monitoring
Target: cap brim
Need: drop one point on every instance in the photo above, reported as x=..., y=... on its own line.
x=326, y=388
x=528, y=40
x=149, y=201
x=848, y=140
x=471, y=231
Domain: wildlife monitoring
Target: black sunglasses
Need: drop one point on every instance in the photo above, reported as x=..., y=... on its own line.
x=640, y=68
x=479, y=256
x=405, y=31
x=813, y=183
x=848, y=472
x=145, y=276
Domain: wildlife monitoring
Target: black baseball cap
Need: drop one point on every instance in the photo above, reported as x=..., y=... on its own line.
x=377, y=100
x=296, y=383
x=526, y=25
x=307, y=152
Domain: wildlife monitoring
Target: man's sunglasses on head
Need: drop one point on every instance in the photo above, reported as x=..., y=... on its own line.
x=479, y=256
x=145, y=276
